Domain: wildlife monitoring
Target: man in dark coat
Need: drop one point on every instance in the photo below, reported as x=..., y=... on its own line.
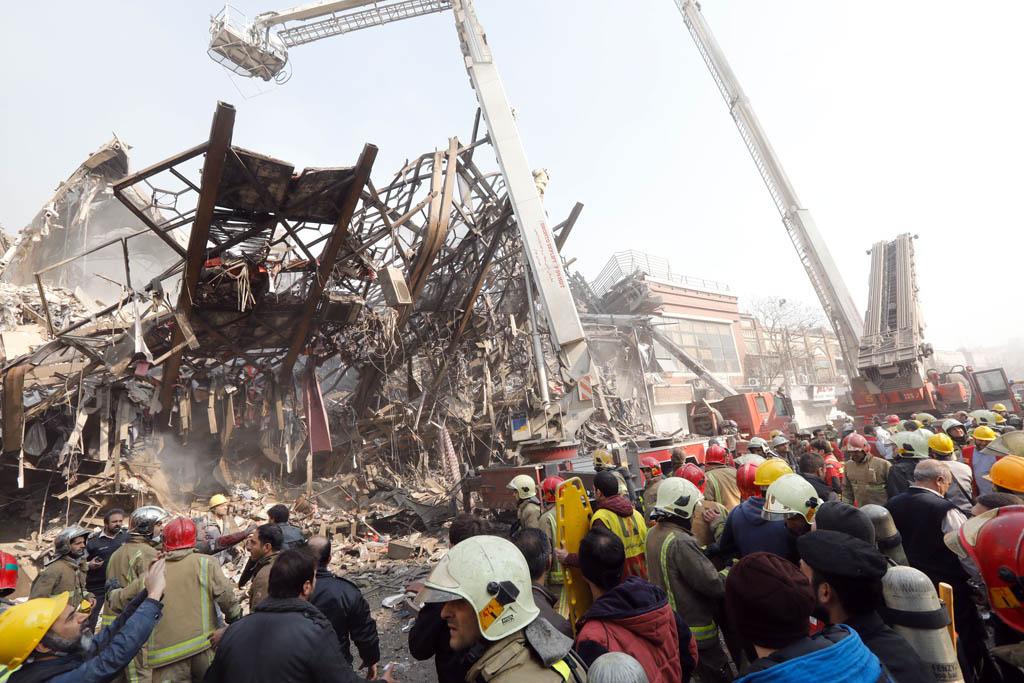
x=812, y=468
x=346, y=609
x=98, y=549
x=846, y=577
x=285, y=638
x=291, y=535
x=536, y=548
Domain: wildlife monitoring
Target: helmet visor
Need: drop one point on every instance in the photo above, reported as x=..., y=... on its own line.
x=440, y=586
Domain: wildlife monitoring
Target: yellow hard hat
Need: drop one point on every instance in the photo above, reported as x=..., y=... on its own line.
x=218, y=499
x=1000, y=419
x=602, y=458
x=941, y=443
x=770, y=470
x=24, y=625
x=774, y=433
x=984, y=433
x=999, y=406
x=1008, y=473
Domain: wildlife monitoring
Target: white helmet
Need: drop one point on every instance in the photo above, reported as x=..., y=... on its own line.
x=788, y=495
x=748, y=458
x=780, y=441
x=491, y=574
x=524, y=485
x=678, y=496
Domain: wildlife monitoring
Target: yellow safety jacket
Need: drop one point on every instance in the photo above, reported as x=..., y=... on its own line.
x=549, y=525
x=632, y=531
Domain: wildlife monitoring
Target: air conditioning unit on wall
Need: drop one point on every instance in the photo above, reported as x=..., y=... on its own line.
x=753, y=382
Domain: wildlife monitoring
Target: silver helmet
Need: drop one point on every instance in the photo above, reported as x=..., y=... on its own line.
x=62, y=544
x=144, y=520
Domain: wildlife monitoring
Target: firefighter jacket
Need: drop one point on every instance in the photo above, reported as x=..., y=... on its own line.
x=195, y=583
x=529, y=514
x=721, y=486
x=549, y=525
x=63, y=574
x=535, y=654
x=650, y=495
x=864, y=482
x=128, y=563
x=705, y=533
x=617, y=514
x=676, y=564
x=261, y=580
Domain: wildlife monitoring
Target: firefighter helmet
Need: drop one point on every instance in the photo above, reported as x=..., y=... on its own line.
x=1008, y=473
x=780, y=441
x=491, y=574
x=524, y=485
x=893, y=419
x=906, y=444
x=217, y=499
x=62, y=544
x=774, y=433
x=1010, y=443
x=925, y=418
x=550, y=488
x=757, y=442
x=692, y=474
x=770, y=470
x=24, y=625
x=652, y=463
x=951, y=424
x=1000, y=419
x=602, y=459
x=745, y=480
x=855, y=442
x=716, y=454
x=8, y=573
x=145, y=520
x=749, y=458
x=789, y=495
x=983, y=417
x=999, y=407
x=179, y=533
x=941, y=443
x=677, y=496
x=983, y=433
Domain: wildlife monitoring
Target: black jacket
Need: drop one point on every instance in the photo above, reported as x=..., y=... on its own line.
x=283, y=640
x=918, y=515
x=430, y=637
x=824, y=491
x=99, y=545
x=901, y=476
x=291, y=536
x=545, y=602
x=894, y=652
x=346, y=609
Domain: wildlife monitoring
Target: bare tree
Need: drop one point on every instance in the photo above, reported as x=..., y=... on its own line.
x=779, y=321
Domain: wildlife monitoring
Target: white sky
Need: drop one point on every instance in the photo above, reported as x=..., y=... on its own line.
x=891, y=117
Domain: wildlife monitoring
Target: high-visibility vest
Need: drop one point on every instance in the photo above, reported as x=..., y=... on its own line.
x=200, y=643
x=632, y=531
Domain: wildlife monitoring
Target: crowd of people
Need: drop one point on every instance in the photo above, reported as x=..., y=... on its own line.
x=892, y=553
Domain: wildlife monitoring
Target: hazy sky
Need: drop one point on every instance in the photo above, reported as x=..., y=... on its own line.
x=888, y=118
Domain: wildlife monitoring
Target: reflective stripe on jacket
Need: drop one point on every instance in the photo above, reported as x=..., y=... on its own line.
x=632, y=531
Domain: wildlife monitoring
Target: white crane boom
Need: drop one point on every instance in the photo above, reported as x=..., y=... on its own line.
x=251, y=50
x=810, y=247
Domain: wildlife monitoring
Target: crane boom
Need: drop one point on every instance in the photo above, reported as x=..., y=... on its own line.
x=810, y=247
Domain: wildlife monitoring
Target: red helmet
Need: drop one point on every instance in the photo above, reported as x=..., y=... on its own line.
x=8, y=573
x=995, y=541
x=716, y=453
x=549, y=487
x=179, y=533
x=745, y=480
x=893, y=419
x=855, y=442
x=693, y=474
x=651, y=462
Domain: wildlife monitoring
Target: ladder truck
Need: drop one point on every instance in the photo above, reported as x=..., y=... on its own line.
x=259, y=49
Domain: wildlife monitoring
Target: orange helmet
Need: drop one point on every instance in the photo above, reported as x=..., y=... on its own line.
x=651, y=462
x=745, y=480
x=693, y=474
x=8, y=573
x=995, y=542
x=716, y=453
x=550, y=487
x=179, y=533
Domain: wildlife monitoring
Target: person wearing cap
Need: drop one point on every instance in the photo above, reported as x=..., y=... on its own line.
x=960, y=493
x=218, y=522
x=770, y=602
x=977, y=459
x=50, y=639
x=838, y=516
x=632, y=616
x=846, y=576
x=484, y=583
x=67, y=570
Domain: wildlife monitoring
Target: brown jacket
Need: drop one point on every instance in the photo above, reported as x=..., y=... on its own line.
x=131, y=560
x=529, y=514
x=864, y=482
x=695, y=589
x=510, y=660
x=708, y=533
x=195, y=583
x=721, y=486
x=261, y=580
x=549, y=525
x=62, y=575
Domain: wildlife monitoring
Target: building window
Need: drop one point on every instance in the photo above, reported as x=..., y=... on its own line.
x=712, y=344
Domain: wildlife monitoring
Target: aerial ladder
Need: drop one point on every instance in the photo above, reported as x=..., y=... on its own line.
x=259, y=49
x=810, y=247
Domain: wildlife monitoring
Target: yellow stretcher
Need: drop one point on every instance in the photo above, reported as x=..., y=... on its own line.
x=573, y=514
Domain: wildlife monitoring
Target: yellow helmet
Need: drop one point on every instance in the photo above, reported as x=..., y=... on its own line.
x=1008, y=473
x=941, y=443
x=524, y=485
x=999, y=406
x=24, y=625
x=774, y=433
x=770, y=470
x=218, y=499
x=983, y=433
x=1000, y=419
x=602, y=458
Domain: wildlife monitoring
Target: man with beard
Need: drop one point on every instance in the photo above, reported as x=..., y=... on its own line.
x=67, y=571
x=51, y=641
x=846, y=577
x=100, y=546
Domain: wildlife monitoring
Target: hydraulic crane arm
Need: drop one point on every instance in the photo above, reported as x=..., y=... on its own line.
x=810, y=247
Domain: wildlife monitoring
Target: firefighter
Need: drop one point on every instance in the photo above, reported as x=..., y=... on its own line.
x=956, y=431
x=709, y=518
x=721, y=485
x=484, y=583
x=524, y=492
x=180, y=647
x=676, y=564
x=901, y=471
x=1007, y=475
x=1000, y=410
x=792, y=499
x=780, y=449
x=67, y=570
x=549, y=525
x=747, y=531
x=979, y=462
x=745, y=477
x=865, y=474
x=602, y=460
x=651, y=468
x=218, y=522
x=758, y=446
x=940, y=447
